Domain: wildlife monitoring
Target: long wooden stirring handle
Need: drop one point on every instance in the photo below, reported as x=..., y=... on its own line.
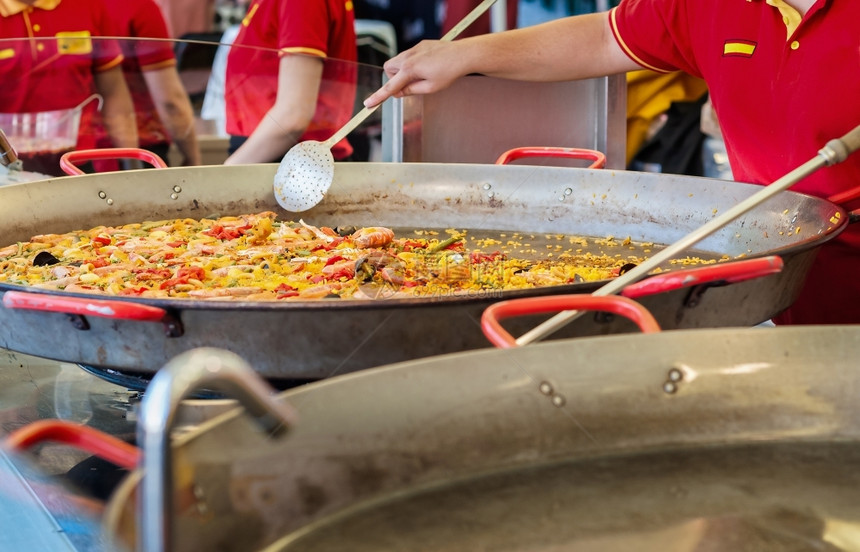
x=833, y=152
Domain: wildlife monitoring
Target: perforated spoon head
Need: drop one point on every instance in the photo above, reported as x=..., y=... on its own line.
x=304, y=176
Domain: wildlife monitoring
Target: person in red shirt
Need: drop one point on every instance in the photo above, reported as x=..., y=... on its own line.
x=162, y=107
x=776, y=72
x=185, y=17
x=300, y=86
x=56, y=62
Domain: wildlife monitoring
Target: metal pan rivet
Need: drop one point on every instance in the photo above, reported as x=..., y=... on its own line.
x=558, y=400
x=487, y=186
x=568, y=191
x=670, y=387
x=490, y=194
x=545, y=388
x=177, y=189
x=675, y=375
x=174, y=196
x=110, y=201
x=102, y=195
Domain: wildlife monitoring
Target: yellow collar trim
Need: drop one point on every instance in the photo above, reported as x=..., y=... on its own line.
x=790, y=16
x=12, y=7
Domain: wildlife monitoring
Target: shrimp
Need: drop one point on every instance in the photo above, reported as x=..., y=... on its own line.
x=343, y=268
x=319, y=291
x=321, y=234
x=223, y=292
x=374, y=236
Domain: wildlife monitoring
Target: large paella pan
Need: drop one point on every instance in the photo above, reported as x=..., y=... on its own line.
x=717, y=439
x=316, y=339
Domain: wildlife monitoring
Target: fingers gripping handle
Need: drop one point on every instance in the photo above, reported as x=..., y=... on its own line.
x=450, y=35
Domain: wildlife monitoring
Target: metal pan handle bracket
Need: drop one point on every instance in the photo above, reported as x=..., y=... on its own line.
x=598, y=159
x=719, y=274
x=187, y=372
x=68, y=160
x=104, y=308
x=623, y=306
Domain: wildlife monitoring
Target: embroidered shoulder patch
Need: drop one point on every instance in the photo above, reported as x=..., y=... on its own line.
x=739, y=48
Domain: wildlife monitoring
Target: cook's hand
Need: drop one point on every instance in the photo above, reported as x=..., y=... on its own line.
x=428, y=67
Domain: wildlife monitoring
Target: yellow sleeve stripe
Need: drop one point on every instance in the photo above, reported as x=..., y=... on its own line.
x=110, y=65
x=7, y=53
x=627, y=49
x=159, y=65
x=738, y=49
x=300, y=50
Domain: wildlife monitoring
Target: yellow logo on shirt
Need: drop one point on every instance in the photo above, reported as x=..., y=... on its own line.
x=74, y=42
x=741, y=48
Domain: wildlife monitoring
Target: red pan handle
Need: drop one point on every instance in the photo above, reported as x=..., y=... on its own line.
x=104, y=308
x=599, y=160
x=717, y=274
x=80, y=436
x=68, y=160
x=846, y=196
x=842, y=199
x=623, y=306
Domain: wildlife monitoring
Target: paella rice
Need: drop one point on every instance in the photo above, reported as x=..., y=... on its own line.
x=258, y=257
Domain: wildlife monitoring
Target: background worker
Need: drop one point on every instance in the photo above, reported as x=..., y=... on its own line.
x=184, y=17
x=162, y=107
x=304, y=92
x=772, y=71
x=58, y=65
x=413, y=20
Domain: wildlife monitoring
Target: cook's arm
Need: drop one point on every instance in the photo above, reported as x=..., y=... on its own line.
x=571, y=48
x=299, y=78
x=175, y=111
x=118, y=109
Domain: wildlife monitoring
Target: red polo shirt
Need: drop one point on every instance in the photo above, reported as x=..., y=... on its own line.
x=53, y=69
x=143, y=18
x=323, y=28
x=782, y=86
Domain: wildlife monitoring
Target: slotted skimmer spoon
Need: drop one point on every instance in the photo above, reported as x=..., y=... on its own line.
x=307, y=170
